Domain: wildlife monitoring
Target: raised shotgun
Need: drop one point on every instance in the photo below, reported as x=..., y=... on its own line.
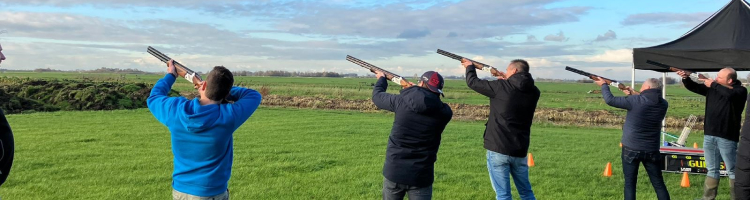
x=388, y=75
x=608, y=81
x=675, y=69
x=182, y=71
x=481, y=66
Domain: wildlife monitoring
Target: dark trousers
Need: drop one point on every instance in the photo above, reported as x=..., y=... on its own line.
x=651, y=161
x=396, y=191
x=742, y=176
x=7, y=147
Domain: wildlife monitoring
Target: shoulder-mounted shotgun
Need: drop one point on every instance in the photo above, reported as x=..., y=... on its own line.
x=181, y=70
x=675, y=69
x=481, y=66
x=388, y=75
x=610, y=82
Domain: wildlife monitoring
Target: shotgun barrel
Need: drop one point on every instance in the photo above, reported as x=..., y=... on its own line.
x=182, y=71
x=484, y=67
x=388, y=75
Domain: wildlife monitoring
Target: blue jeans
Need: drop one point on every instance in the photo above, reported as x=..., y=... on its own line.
x=651, y=162
x=715, y=150
x=501, y=167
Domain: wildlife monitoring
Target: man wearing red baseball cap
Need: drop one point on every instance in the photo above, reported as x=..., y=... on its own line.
x=415, y=137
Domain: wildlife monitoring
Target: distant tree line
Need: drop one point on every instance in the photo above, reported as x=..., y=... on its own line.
x=280, y=73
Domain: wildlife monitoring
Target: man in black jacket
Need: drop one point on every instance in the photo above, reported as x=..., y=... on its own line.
x=7, y=145
x=640, y=134
x=413, y=144
x=506, y=137
x=725, y=99
x=742, y=184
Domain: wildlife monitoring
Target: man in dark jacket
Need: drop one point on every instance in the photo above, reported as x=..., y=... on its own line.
x=725, y=99
x=640, y=134
x=742, y=169
x=413, y=144
x=7, y=145
x=506, y=137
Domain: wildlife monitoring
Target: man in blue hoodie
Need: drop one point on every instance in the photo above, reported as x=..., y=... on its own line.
x=640, y=134
x=202, y=131
x=415, y=137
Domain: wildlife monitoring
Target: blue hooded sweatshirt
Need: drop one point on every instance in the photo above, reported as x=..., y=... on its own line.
x=201, y=135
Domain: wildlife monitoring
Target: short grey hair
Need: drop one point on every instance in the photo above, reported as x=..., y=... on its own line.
x=654, y=83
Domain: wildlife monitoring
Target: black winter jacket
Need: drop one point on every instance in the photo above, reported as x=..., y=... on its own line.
x=413, y=144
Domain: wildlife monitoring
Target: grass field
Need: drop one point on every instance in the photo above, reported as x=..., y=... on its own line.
x=300, y=154
x=554, y=95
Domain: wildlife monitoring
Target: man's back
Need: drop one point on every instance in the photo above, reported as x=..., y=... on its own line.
x=643, y=121
x=415, y=137
x=201, y=136
x=512, y=106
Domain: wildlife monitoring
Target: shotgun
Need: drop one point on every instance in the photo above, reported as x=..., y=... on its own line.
x=478, y=65
x=388, y=75
x=181, y=70
x=608, y=81
x=675, y=69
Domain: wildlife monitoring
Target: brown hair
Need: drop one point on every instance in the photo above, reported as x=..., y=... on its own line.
x=218, y=83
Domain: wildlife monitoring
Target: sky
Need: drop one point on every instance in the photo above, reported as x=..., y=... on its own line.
x=316, y=36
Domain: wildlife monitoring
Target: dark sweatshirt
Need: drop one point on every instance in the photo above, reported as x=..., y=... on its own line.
x=642, y=128
x=512, y=105
x=413, y=144
x=723, y=108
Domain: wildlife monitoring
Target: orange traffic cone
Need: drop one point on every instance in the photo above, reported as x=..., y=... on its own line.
x=685, y=180
x=608, y=170
x=695, y=145
x=531, y=160
x=620, y=144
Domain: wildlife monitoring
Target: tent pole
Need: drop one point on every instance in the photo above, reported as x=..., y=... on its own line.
x=664, y=96
x=632, y=76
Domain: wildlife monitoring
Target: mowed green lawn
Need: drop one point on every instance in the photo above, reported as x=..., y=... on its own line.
x=299, y=154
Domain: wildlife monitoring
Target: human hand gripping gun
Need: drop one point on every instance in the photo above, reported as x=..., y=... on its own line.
x=478, y=65
x=606, y=80
x=675, y=69
x=388, y=75
x=182, y=71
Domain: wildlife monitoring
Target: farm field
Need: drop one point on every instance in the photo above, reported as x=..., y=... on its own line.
x=554, y=95
x=281, y=153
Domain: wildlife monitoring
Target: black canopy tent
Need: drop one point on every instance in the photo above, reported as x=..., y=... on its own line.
x=722, y=40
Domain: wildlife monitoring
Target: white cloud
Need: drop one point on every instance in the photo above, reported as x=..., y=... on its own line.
x=616, y=56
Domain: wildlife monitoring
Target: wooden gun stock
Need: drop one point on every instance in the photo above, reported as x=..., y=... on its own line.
x=606, y=80
x=181, y=70
x=478, y=65
x=388, y=75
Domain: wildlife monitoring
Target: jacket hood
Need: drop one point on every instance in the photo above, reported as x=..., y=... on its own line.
x=522, y=81
x=653, y=95
x=421, y=100
x=197, y=118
